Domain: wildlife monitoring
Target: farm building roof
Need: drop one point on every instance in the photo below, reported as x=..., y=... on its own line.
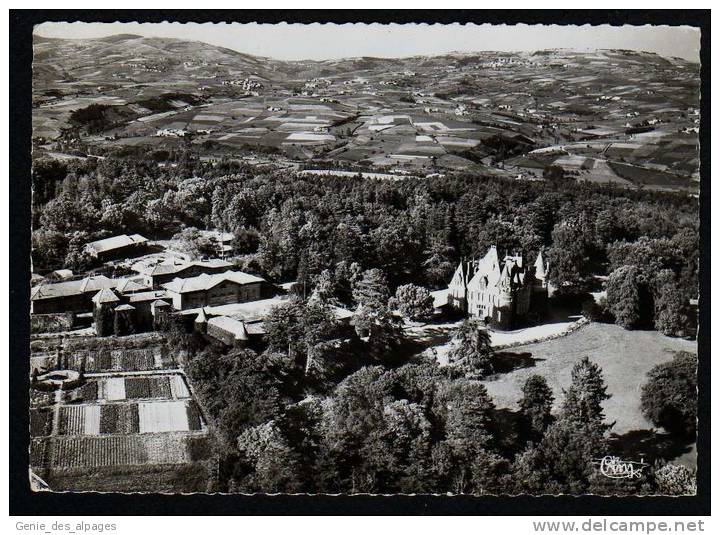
x=69, y=288
x=205, y=282
x=201, y=317
x=62, y=273
x=148, y=296
x=129, y=286
x=440, y=298
x=106, y=295
x=160, y=303
x=125, y=307
x=251, y=310
x=166, y=269
x=229, y=325
x=256, y=327
x=116, y=242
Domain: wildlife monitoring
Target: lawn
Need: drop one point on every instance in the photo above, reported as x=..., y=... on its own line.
x=625, y=358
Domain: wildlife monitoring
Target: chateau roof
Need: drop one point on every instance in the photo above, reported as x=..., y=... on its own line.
x=489, y=271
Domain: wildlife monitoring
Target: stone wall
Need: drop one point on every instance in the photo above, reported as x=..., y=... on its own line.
x=51, y=323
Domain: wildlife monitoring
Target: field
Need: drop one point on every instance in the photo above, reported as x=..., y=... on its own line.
x=419, y=115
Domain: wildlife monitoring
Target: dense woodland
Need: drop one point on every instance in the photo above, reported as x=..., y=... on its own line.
x=414, y=231
x=326, y=407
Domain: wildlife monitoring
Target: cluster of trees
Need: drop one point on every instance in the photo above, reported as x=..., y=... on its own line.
x=652, y=281
x=410, y=427
x=415, y=231
x=96, y=118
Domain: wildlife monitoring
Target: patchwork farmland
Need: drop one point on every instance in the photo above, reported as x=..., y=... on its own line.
x=600, y=117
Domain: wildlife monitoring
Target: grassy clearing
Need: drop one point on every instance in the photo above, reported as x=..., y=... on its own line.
x=625, y=357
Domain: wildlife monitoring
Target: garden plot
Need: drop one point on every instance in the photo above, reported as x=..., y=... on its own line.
x=38, y=452
x=72, y=420
x=163, y=416
x=40, y=422
x=118, y=418
x=116, y=359
x=79, y=420
x=178, y=387
x=92, y=419
x=114, y=389
x=71, y=452
x=112, y=450
x=144, y=387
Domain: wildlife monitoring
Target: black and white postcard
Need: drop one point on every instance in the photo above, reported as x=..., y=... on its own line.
x=342, y=259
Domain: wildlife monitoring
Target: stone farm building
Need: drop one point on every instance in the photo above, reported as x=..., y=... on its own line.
x=499, y=292
x=212, y=290
x=122, y=246
x=76, y=295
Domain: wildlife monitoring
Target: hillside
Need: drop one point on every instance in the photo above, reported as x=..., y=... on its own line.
x=618, y=116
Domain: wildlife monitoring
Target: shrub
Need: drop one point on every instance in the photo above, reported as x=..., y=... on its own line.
x=536, y=404
x=472, y=351
x=675, y=480
x=593, y=311
x=414, y=302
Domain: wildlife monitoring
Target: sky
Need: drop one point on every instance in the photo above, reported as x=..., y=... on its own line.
x=333, y=41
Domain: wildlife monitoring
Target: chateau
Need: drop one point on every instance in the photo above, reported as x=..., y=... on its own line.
x=500, y=292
